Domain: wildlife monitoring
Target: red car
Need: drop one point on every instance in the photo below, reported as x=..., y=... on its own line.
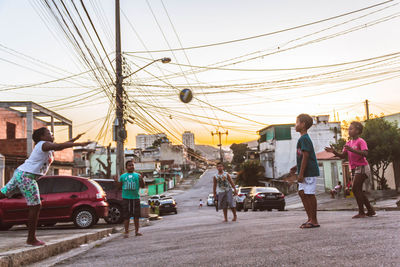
x=64, y=199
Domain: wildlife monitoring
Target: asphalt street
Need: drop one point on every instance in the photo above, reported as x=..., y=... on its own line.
x=199, y=237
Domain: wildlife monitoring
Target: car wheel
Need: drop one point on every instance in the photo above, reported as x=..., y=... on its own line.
x=269, y=209
x=262, y=209
x=176, y=211
x=253, y=206
x=239, y=209
x=84, y=218
x=114, y=214
x=5, y=227
x=282, y=208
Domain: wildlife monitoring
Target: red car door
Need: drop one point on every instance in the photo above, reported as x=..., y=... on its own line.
x=61, y=197
x=15, y=209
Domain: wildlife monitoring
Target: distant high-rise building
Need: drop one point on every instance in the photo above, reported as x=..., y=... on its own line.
x=144, y=141
x=188, y=139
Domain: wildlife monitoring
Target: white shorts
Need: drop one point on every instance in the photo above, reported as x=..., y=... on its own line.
x=309, y=185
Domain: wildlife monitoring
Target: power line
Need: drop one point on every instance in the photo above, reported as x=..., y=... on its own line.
x=266, y=34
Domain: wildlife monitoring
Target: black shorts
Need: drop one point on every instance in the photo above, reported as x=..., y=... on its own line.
x=131, y=208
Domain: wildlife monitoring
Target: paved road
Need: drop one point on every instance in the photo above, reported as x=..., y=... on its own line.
x=198, y=237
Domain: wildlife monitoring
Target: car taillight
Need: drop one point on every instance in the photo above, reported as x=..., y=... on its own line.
x=281, y=196
x=240, y=195
x=100, y=196
x=260, y=196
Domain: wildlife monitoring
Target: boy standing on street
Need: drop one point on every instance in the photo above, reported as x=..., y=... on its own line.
x=131, y=183
x=222, y=189
x=307, y=170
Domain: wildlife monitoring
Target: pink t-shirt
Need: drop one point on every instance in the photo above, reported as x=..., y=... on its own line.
x=356, y=159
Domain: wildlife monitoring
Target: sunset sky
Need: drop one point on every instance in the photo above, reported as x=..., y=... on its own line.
x=259, y=63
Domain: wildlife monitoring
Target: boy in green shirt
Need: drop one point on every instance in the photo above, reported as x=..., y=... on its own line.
x=307, y=170
x=131, y=183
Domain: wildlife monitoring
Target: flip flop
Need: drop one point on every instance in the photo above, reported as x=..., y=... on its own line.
x=38, y=243
x=303, y=224
x=310, y=225
x=359, y=216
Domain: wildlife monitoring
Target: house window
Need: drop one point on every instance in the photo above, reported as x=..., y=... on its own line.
x=10, y=130
x=283, y=132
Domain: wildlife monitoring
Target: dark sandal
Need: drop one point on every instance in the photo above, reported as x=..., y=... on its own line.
x=310, y=225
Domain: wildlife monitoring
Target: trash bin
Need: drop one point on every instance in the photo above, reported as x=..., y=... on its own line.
x=144, y=210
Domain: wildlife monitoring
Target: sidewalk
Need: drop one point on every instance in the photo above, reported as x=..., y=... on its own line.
x=326, y=203
x=59, y=239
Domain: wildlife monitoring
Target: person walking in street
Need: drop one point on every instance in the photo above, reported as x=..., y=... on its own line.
x=356, y=150
x=26, y=175
x=131, y=182
x=200, y=203
x=307, y=170
x=222, y=189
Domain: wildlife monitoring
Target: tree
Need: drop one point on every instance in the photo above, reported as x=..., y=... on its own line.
x=239, y=153
x=251, y=172
x=339, y=145
x=106, y=167
x=157, y=143
x=383, y=139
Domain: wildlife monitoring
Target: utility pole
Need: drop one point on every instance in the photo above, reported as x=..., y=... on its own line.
x=220, y=142
x=119, y=124
x=367, y=108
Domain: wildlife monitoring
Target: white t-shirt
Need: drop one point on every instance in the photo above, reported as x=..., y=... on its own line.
x=39, y=161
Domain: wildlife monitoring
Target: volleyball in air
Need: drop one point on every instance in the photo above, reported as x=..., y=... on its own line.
x=186, y=95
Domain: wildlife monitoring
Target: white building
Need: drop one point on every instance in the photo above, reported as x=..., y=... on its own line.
x=144, y=141
x=278, y=145
x=188, y=139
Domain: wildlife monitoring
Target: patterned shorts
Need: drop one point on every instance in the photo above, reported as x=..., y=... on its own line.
x=26, y=183
x=365, y=169
x=225, y=200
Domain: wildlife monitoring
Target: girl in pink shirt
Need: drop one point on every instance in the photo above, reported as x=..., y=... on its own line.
x=356, y=150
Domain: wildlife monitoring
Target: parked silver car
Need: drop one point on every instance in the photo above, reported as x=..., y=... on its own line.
x=210, y=200
x=242, y=192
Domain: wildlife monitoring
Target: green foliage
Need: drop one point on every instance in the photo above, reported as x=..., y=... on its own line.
x=239, y=153
x=251, y=172
x=383, y=139
x=339, y=145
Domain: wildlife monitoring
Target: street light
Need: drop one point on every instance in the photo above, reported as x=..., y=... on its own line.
x=164, y=60
x=119, y=124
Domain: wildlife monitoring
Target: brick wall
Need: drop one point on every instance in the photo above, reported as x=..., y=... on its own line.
x=20, y=123
x=66, y=155
x=15, y=147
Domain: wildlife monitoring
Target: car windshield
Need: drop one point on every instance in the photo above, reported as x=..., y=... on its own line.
x=107, y=186
x=267, y=190
x=244, y=190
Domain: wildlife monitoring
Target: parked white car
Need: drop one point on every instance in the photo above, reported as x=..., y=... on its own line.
x=210, y=200
x=242, y=192
x=234, y=175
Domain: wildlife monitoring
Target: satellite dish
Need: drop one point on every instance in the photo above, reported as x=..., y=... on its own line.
x=186, y=95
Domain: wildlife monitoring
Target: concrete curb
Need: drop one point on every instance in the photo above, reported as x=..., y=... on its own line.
x=356, y=209
x=31, y=255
